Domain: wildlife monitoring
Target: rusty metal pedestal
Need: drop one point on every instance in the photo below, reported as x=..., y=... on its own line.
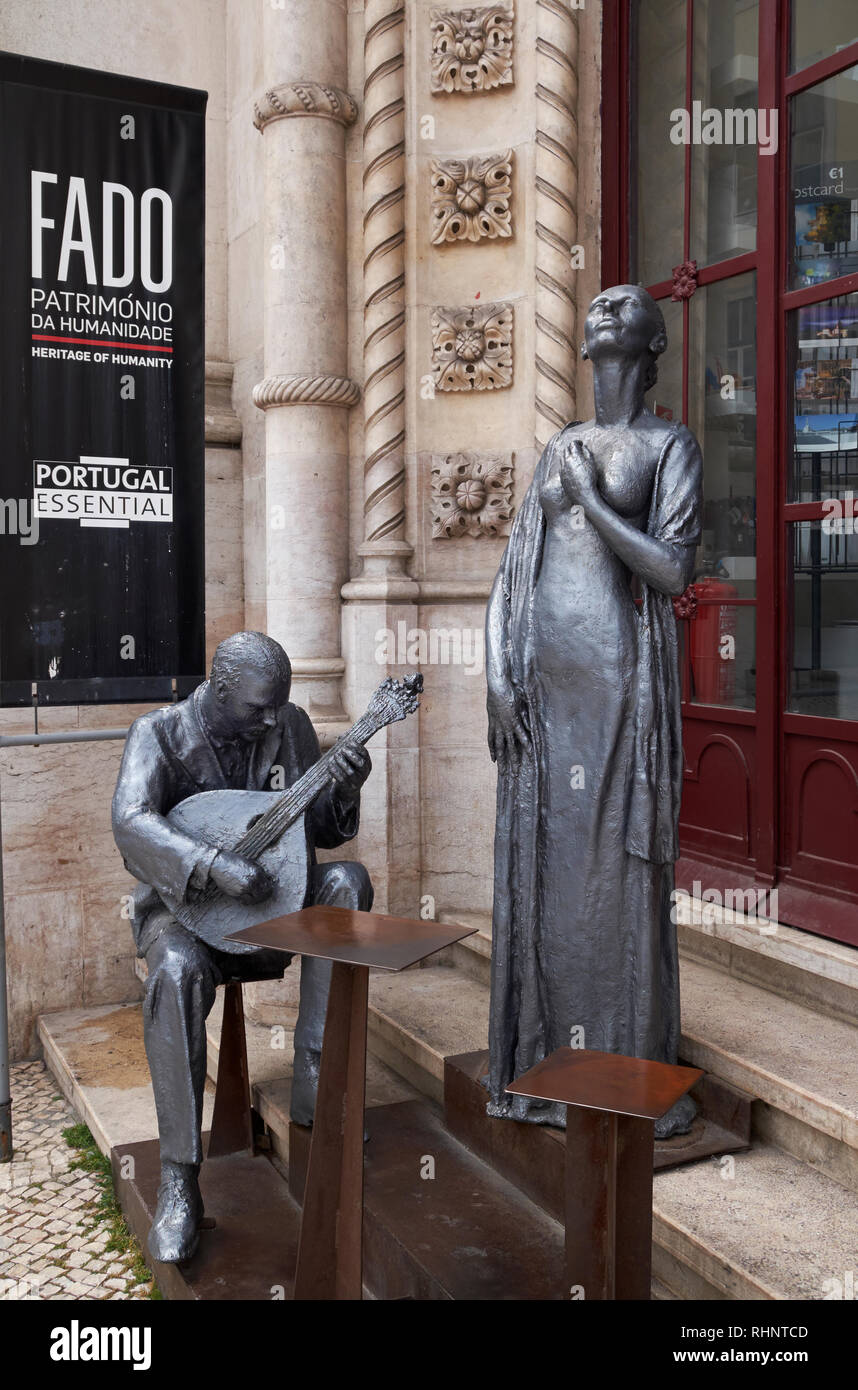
x=613, y=1103
x=330, y=1249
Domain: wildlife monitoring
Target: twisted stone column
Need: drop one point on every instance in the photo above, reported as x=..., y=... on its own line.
x=556, y=220
x=384, y=547
x=303, y=113
x=383, y=596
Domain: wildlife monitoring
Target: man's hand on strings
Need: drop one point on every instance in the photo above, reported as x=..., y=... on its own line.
x=349, y=767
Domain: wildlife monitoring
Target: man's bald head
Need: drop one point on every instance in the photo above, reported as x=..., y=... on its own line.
x=242, y=650
x=251, y=677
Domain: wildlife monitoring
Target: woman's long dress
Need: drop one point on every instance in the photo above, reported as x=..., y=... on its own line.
x=584, y=947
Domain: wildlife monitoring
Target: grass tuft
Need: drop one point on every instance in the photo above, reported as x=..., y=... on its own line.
x=106, y=1209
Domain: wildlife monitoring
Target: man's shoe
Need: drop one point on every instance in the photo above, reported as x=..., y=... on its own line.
x=305, y=1084
x=175, y=1229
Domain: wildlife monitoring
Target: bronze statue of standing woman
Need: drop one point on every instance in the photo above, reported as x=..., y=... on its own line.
x=584, y=725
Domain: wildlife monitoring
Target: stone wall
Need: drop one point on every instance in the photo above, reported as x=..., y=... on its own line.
x=392, y=316
x=500, y=177
x=68, y=943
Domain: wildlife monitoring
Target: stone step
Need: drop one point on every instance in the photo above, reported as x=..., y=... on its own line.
x=757, y=1225
x=802, y=968
x=419, y=1017
x=754, y=1225
x=99, y=1062
x=458, y=1231
x=805, y=969
x=723, y=1227
x=473, y=955
x=801, y=1066
x=270, y=1052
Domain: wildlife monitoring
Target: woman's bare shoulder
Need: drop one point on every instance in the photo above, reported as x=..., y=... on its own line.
x=574, y=430
x=661, y=431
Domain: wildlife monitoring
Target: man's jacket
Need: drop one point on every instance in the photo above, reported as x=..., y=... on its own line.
x=168, y=757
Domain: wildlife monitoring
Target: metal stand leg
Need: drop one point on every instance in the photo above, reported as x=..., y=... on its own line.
x=609, y=1160
x=329, y=1249
x=232, y=1125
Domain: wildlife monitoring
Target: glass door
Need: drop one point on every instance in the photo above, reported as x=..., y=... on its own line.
x=747, y=234
x=693, y=242
x=819, y=307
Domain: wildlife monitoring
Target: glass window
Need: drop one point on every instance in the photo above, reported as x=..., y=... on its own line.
x=724, y=173
x=718, y=645
x=723, y=415
x=825, y=180
x=824, y=655
x=818, y=30
x=823, y=344
x=659, y=164
x=722, y=404
x=665, y=399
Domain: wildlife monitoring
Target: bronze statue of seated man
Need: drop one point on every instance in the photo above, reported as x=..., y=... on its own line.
x=236, y=730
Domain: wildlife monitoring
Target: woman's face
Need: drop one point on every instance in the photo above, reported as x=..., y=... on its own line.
x=620, y=320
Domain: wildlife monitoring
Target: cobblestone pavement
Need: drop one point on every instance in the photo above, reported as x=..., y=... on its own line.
x=50, y=1244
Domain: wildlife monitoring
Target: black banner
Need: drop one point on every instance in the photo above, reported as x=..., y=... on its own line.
x=101, y=386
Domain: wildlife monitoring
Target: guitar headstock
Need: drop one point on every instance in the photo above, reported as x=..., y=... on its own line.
x=394, y=699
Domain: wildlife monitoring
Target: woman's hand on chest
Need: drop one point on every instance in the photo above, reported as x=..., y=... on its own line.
x=579, y=472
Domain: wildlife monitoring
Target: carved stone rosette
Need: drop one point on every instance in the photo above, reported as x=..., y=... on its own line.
x=304, y=99
x=471, y=495
x=472, y=347
x=471, y=198
x=556, y=215
x=472, y=48
x=384, y=273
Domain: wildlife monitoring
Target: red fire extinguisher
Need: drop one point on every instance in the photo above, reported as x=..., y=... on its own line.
x=713, y=664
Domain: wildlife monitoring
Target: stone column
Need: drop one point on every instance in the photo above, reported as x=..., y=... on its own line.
x=306, y=393
x=384, y=548
x=556, y=216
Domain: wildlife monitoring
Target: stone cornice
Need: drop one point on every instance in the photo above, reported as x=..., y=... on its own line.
x=295, y=389
x=304, y=99
x=222, y=425
x=403, y=589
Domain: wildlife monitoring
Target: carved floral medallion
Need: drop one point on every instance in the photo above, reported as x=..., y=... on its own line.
x=471, y=495
x=472, y=347
x=471, y=48
x=471, y=198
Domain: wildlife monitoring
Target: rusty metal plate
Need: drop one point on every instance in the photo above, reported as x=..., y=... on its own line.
x=607, y=1081
x=356, y=938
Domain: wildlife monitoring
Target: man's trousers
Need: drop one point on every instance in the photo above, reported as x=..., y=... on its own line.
x=184, y=974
